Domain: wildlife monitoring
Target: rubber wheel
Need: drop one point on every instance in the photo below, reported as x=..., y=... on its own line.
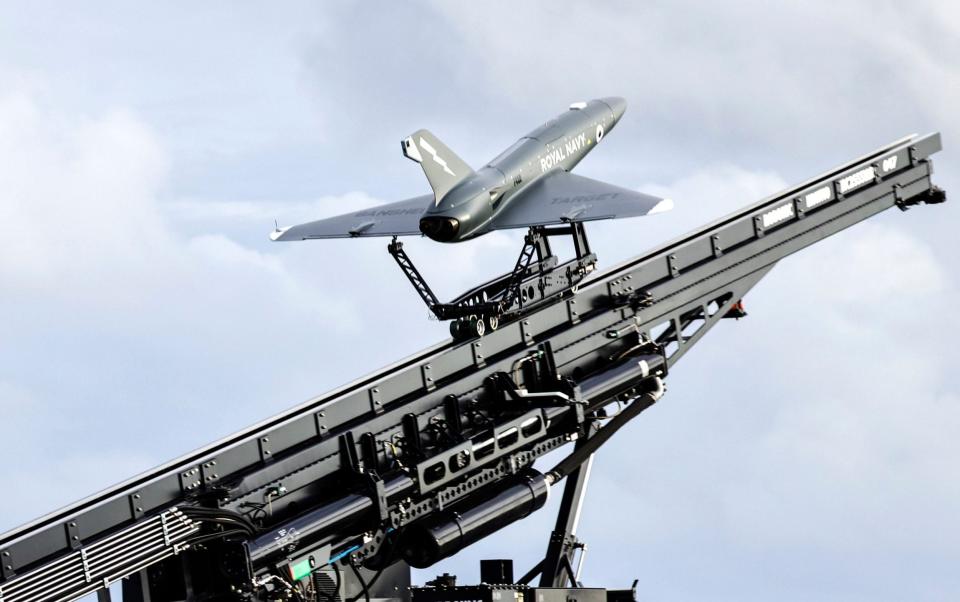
x=456, y=330
x=493, y=322
x=477, y=327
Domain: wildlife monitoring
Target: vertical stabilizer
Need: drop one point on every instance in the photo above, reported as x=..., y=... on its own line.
x=443, y=168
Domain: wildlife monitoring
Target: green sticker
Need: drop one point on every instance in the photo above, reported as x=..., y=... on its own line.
x=301, y=569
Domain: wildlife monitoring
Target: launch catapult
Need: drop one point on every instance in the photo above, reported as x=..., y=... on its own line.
x=336, y=498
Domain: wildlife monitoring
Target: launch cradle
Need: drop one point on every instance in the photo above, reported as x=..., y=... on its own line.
x=336, y=498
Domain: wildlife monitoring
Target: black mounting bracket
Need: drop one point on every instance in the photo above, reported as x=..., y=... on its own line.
x=528, y=283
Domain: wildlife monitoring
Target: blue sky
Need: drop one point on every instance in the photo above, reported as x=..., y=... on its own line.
x=808, y=451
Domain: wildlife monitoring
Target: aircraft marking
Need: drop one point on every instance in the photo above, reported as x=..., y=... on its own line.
x=437, y=158
x=562, y=151
x=584, y=198
x=388, y=212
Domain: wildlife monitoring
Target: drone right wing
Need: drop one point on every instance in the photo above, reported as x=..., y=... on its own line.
x=562, y=197
x=393, y=219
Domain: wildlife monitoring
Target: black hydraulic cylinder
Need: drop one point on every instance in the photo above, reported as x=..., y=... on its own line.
x=318, y=524
x=427, y=543
x=621, y=377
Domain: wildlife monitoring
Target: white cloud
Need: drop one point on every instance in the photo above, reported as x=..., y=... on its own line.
x=803, y=451
x=264, y=211
x=98, y=281
x=83, y=221
x=821, y=427
x=699, y=197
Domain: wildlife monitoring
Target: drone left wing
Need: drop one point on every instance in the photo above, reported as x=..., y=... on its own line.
x=393, y=219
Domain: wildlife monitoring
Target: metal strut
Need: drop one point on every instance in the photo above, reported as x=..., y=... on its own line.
x=557, y=565
x=533, y=243
x=413, y=275
x=512, y=292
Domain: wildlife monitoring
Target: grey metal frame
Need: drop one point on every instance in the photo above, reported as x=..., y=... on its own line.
x=675, y=293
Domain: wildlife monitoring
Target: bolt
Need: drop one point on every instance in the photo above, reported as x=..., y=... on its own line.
x=136, y=496
x=266, y=439
x=139, y=509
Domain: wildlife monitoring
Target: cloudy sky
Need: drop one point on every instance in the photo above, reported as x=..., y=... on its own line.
x=806, y=452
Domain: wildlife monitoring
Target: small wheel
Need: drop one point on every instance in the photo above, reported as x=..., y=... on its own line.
x=456, y=329
x=477, y=327
x=493, y=322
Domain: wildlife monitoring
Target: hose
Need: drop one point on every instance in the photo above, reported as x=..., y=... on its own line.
x=580, y=455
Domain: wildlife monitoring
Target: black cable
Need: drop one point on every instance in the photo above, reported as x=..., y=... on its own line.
x=213, y=536
x=332, y=597
x=220, y=516
x=376, y=576
x=366, y=588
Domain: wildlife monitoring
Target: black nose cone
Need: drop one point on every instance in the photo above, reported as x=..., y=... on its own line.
x=440, y=229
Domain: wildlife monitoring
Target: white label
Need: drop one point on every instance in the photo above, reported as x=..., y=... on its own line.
x=820, y=195
x=889, y=164
x=775, y=216
x=857, y=179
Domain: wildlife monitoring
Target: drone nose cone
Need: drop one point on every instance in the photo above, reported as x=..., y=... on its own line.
x=440, y=229
x=617, y=104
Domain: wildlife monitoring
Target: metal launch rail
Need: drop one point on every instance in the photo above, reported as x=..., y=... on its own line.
x=368, y=473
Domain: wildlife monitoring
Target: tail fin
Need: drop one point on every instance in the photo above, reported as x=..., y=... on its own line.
x=443, y=168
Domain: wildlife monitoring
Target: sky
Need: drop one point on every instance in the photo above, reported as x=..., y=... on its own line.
x=807, y=451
